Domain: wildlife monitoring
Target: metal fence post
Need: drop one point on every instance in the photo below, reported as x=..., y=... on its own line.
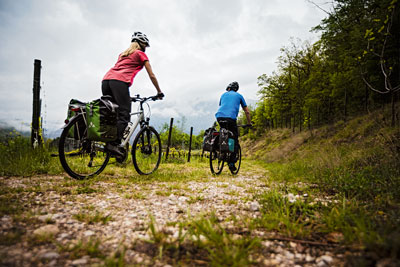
x=169, y=137
x=190, y=143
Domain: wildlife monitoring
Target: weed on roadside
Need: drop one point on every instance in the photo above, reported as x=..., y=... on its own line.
x=203, y=240
x=93, y=217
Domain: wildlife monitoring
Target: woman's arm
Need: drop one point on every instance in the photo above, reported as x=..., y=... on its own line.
x=152, y=76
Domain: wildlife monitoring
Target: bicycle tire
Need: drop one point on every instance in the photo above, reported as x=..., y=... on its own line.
x=146, y=151
x=216, y=161
x=238, y=162
x=80, y=157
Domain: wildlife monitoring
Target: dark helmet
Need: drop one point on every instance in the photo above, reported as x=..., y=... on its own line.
x=141, y=37
x=233, y=86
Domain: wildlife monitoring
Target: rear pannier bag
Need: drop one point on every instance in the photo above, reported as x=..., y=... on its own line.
x=78, y=130
x=231, y=143
x=224, y=136
x=102, y=117
x=208, y=139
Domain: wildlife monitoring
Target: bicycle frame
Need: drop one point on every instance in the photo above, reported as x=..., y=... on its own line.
x=139, y=119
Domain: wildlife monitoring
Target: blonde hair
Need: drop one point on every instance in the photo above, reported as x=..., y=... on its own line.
x=132, y=48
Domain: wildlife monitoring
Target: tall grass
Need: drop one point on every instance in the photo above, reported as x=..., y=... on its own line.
x=204, y=239
x=355, y=163
x=18, y=158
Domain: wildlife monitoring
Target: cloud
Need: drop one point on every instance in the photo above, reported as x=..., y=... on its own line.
x=197, y=48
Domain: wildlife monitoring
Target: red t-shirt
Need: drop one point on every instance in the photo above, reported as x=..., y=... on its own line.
x=127, y=67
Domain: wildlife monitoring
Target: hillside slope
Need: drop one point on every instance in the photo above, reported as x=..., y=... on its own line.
x=357, y=162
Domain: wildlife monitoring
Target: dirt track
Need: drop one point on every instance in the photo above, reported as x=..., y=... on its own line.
x=49, y=215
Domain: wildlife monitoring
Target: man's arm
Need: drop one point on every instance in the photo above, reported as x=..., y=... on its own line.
x=247, y=112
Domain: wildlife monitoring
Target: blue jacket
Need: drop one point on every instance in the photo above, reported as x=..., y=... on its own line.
x=229, y=105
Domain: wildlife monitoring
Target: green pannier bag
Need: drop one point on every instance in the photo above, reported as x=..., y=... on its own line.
x=102, y=117
x=77, y=131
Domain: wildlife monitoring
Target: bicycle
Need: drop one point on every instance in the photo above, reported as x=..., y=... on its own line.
x=219, y=157
x=82, y=158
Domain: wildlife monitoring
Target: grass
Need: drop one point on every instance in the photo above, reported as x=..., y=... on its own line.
x=346, y=177
x=18, y=158
x=12, y=237
x=356, y=165
x=93, y=217
x=82, y=248
x=203, y=240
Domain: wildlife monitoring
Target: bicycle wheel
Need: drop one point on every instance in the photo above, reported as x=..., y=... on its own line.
x=146, y=151
x=238, y=161
x=216, y=161
x=80, y=157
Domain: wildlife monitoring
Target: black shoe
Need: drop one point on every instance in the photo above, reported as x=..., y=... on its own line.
x=114, y=150
x=232, y=167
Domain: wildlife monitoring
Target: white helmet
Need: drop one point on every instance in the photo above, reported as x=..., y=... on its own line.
x=141, y=37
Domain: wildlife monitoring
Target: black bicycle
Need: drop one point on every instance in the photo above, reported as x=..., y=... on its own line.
x=82, y=158
x=218, y=157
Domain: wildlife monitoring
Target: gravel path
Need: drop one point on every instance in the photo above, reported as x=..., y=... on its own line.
x=51, y=218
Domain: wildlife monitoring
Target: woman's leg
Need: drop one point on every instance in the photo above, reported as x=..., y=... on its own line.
x=120, y=93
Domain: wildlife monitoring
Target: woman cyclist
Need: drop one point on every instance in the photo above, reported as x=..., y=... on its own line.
x=227, y=115
x=119, y=78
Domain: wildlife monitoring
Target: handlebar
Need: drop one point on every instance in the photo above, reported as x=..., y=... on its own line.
x=137, y=98
x=245, y=125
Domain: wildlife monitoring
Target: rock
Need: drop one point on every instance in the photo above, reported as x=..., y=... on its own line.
x=132, y=215
x=253, y=206
x=309, y=258
x=182, y=199
x=88, y=233
x=324, y=260
x=52, y=263
x=78, y=262
x=328, y=259
x=298, y=256
x=271, y=262
x=47, y=230
x=63, y=235
x=289, y=255
x=292, y=198
x=267, y=243
x=50, y=255
x=45, y=218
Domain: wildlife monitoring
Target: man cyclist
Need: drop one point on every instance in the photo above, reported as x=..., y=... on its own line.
x=227, y=115
x=119, y=78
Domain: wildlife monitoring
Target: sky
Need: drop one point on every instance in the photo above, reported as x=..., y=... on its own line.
x=197, y=47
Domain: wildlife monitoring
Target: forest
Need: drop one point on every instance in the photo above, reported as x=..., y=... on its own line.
x=352, y=69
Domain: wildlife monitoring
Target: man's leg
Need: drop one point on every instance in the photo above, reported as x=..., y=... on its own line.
x=232, y=126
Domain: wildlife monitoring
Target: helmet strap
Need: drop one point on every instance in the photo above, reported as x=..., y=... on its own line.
x=142, y=46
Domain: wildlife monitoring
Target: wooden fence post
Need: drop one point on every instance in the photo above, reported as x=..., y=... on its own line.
x=190, y=143
x=169, y=137
x=36, y=139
